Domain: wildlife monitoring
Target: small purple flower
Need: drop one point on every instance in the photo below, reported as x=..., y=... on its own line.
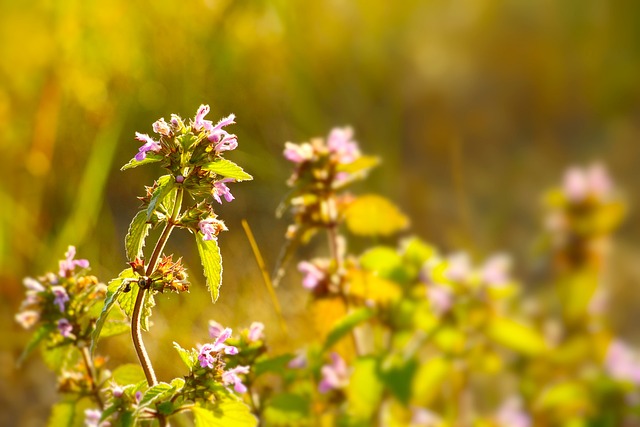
x=69, y=264
x=511, y=414
x=312, y=274
x=199, y=123
x=60, y=296
x=138, y=396
x=459, y=267
x=117, y=391
x=231, y=377
x=92, y=418
x=495, y=271
x=27, y=318
x=206, y=359
x=334, y=375
x=622, y=362
x=575, y=184
x=220, y=189
x=299, y=361
x=149, y=145
x=215, y=329
x=255, y=331
x=340, y=144
x=176, y=121
x=298, y=153
x=440, y=298
x=599, y=181
x=223, y=141
x=161, y=127
x=65, y=328
x=32, y=284
x=210, y=227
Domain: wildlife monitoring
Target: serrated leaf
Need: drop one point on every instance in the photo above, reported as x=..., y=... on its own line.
x=211, y=263
x=113, y=292
x=228, y=169
x=165, y=185
x=345, y=325
x=228, y=412
x=138, y=231
x=372, y=215
x=185, y=355
x=151, y=158
x=127, y=300
x=154, y=392
x=516, y=336
x=148, y=303
x=38, y=336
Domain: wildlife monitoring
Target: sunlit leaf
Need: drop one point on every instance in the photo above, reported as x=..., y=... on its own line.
x=135, y=238
x=128, y=373
x=365, y=389
x=228, y=412
x=165, y=185
x=114, y=289
x=211, y=263
x=345, y=325
x=516, y=336
x=369, y=286
x=154, y=393
x=185, y=355
x=228, y=169
x=429, y=379
x=286, y=409
x=150, y=158
x=372, y=215
x=63, y=414
x=361, y=164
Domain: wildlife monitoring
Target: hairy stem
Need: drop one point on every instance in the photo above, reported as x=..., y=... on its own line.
x=136, y=333
x=91, y=373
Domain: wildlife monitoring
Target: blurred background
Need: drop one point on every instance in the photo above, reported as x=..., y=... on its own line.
x=476, y=107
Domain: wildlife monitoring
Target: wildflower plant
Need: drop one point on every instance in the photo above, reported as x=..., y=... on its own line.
x=74, y=310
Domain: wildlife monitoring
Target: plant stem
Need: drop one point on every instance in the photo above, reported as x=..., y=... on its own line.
x=136, y=333
x=332, y=234
x=91, y=372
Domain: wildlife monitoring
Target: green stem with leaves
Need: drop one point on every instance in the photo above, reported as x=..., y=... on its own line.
x=136, y=317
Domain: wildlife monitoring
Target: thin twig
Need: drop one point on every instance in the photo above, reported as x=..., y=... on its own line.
x=91, y=372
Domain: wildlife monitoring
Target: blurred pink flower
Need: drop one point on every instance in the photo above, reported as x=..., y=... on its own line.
x=495, y=271
x=69, y=264
x=341, y=145
x=231, y=377
x=255, y=331
x=27, y=318
x=459, y=267
x=511, y=414
x=440, y=297
x=312, y=274
x=334, y=375
x=65, y=328
x=579, y=183
x=60, y=296
x=298, y=153
x=622, y=362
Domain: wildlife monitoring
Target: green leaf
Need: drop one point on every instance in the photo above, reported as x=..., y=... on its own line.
x=372, y=215
x=516, y=336
x=133, y=163
x=113, y=291
x=383, y=260
x=286, y=409
x=361, y=164
x=147, y=304
x=62, y=415
x=344, y=326
x=365, y=389
x=138, y=231
x=185, y=355
x=155, y=392
x=276, y=364
x=127, y=302
x=397, y=378
x=38, y=336
x=229, y=412
x=165, y=185
x=228, y=169
x=128, y=373
x=429, y=380
x=212, y=264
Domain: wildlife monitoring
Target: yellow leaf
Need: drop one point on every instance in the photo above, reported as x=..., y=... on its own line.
x=368, y=285
x=516, y=336
x=372, y=215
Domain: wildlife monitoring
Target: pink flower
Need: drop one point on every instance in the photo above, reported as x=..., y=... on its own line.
x=161, y=127
x=342, y=147
x=222, y=140
x=231, y=377
x=298, y=153
x=65, y=328
x=495, y=270
x=255, y=331
x=60, y=296
x=149, y=145
x=581, y=183
x=334, y=375
x=215, y=329
x=210, y=227
x=421, y=417
x=299, y=361
x=312, y=274
x=220, y=189
x=440, y=298
x=206, y=359
x=69, y=264
x=622, y=362
x=459, y=267
x=199, y=123
x=32, y=284
x=511, y=414
x=92, y=418
x=27, y=318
